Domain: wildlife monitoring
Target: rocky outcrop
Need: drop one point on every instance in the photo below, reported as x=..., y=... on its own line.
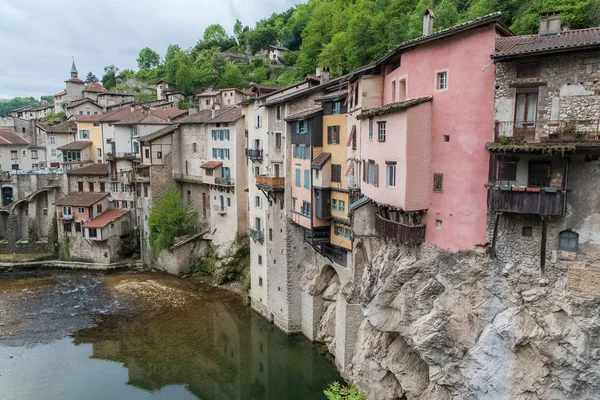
x=443, y=325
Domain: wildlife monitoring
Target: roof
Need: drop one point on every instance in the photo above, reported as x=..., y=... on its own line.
x=529, y=148
x=394, y=107
x=77, y=145
x=302, y=92
x=114, y=93
x=65, y=127
x=486, y=19
x=8, y=138
x=82, y=199
x=75, y=80
x=89, y=118
x=144, y=116
x=228, y=115
x=60, y=93
x=263, y=86
x=83, y=101
x=320, y=160
x=206, y=94
x=197, y=118
x=360, y=202
x=91, y=169
x=577, y=39
x=333, y=96
x=159, y=133
x=211, y=164
x=95, y=87
x=106, y=218
x=73, y=69
x=304, y=114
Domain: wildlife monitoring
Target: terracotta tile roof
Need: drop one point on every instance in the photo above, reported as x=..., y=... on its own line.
x=159, y=133
x=77, y=145
x=60, y=93
x=82, y=101
x=304, y=114
x=320, y=160
x=534, y=44
x=394, y=107
x=81, y=199
x=198, y=118
x=227, y=115
x=9, y=138
x=211, y=164
x=140, y=116
x=113, y=93
x=333, y=96
x=174, y=112
x=95, y=87
x=302, y=92
x=264, y=86
x=75, y=80
x=106, y=218
x=65, y=127
x=89, y=118
x=91, y=169
x=207, y=94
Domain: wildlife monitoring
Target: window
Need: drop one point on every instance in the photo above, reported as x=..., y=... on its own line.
x=96, y=124
x=84, y=134
x=528, y=69
x=66, y=210
x=14, y=166
x=260, y=281
x=270, y=234
x=146, y=152
x=539, y=173
x=34, y=154
x=229, y=202
x=159, y=154
x=306, y=210
x=80, y=112
x=14, y=154
x=307, y=179
x=527, y=231
x=507, y=170
x=102, y=187
x=438, y=183
x=446, y=138
x=526, y=106
x=373, y=173
x=316, y=174
x=402, y=89
x=98, y=208
x=298, y=184
x=258, y=121
x=336, y=173
x=442, y=80
x=35, y=166
x=293, y=204
x=390, y=178
x=277, y=140
x=568, y=241
x=333, y=134
x=77, y=226
x=257, y=201
x=92, y=232
x=80, y=186
x=371, y=129
x=278, y=113
x=334, y=204
x=53, y=152
x=381, y=125
x=194, y=147
x=80, y=210
x=115, y=187
x=67, y=227
x=146, y=191
x=24, y=152
x=136, y=149
x=134, y=131
x=207, y=102
x=438, y=223
x=302, y=127
x=337, y=107
x=393, y=91
x=342, y=206
x=91, y=186
x=99, y=153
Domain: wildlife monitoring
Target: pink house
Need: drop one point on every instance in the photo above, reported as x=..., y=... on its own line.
x=423, y=150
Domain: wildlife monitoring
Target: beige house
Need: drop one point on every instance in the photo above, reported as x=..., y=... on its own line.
x=56, y=136
x=15, y=154
x=84, y=106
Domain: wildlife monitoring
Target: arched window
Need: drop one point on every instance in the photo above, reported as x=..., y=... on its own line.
x=568, y=240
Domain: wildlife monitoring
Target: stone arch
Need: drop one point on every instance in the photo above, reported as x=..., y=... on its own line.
x=326, y=330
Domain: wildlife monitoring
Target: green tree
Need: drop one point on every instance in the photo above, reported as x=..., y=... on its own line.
x=169, y=218
x=172, y=51
x=238, y=29
x=48, y=99
x=148, y=59
x=260, y=75
x=232, y=77
x=215, y=36
x=109, y=79
x=90, y=78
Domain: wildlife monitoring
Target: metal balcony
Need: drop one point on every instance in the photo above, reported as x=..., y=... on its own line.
x=256, y=235
x=254, y=154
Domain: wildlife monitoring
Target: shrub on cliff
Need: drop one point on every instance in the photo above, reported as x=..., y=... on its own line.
x=336, y=391
x=169, y=218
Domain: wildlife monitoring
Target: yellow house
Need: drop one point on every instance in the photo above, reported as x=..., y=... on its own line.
x=89, y=128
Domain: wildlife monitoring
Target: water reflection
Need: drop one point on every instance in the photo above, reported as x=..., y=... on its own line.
x=214, y=347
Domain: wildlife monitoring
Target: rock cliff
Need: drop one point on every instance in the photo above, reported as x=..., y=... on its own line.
x=440, y=325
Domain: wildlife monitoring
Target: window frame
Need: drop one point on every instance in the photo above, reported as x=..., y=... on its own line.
x=381, y=131
x=442, y=76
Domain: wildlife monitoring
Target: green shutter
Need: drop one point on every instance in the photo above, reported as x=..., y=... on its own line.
x=298, y=177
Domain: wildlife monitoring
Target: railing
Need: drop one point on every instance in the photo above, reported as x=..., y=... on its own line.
x=121, y=155
x=254, y=154
x=224, y=181
x=220, y=210
x=404, y=234
x=338, y=255
x=548, y=131
x=539, y=202
x=256, y=235
x=270, y=181
x=67, y=216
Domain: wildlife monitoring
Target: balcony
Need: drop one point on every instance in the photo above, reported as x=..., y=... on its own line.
x=270, y=182
x=187, y=178
x=220, y=210
x=404, y=234
x=67, y=217
x=254, y=154
x=318, y=234
x=256, y=235
x=540, y=201
x=224, y=181
x=548, y=131
x=122, y=156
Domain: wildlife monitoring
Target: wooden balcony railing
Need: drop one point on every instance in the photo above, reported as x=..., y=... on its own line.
x=548, y=131
x=270, y=182
x=526, y=202
x=404, y=234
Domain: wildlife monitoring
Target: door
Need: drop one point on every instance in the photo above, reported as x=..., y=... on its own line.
x=222, y=200
x=525, y=114
x=225, y=174
x=276, y=170
x=539, y=173
x=7, y=195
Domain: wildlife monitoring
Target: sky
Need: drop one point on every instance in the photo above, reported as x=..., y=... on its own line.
x=39, y=37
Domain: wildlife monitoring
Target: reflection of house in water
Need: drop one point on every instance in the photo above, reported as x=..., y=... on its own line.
x=220, y=350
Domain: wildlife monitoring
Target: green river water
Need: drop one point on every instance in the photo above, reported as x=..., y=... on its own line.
x=75, y=335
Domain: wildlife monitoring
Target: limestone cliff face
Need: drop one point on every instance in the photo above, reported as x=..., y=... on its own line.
x=440, y=325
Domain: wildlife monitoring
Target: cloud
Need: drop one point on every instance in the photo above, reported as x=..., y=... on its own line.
x=38, y=38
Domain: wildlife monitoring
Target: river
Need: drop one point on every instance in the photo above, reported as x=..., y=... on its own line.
x=81, y=335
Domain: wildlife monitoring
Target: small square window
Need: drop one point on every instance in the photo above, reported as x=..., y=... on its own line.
x=260, y=282
x=446, y=138
x=442, y=80
x=527, y=231
x=438, y=183
x=438, y=223
x=259, y=260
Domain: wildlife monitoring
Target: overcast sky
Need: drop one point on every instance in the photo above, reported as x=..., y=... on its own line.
x=38, y=37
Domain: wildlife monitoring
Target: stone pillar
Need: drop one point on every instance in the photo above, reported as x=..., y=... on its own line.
x=347, y=320
x=312, y=309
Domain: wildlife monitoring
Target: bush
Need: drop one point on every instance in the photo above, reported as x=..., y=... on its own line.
x=336, y=391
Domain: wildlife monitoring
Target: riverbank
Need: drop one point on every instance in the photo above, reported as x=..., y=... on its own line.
x=72, y=265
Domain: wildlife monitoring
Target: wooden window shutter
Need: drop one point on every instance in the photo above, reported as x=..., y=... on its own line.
x=329, y=134
x=376, y=183
x=328, y=108
x=438, y=183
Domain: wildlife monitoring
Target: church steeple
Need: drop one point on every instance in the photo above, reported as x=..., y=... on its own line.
x=73, y=70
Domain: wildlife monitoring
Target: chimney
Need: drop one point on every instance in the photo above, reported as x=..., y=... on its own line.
x=428, y=22
x=324, y=75
x=550, y=23
x=192, y=111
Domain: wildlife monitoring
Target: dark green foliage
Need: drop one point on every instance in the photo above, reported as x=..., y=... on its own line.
x=55, y=118
x=148, y=59
x=169, y=218
x=66, y=242
x=336, y=391
x=90, y=78
x=109, y=79
x=7, y=105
